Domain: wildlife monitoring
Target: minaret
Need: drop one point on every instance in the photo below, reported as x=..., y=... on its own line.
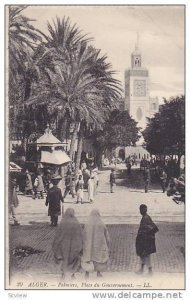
x=137, y=99
x=137, y=88
x=136, y=55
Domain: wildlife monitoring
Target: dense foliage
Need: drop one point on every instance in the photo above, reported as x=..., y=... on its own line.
x=119, y=130
x=165, y=132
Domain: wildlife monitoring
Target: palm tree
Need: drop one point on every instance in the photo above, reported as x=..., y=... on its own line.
x=63, y=38
x=23, y=38
x=82, y=85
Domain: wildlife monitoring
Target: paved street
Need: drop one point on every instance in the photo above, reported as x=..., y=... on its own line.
x=168, y=260
x=121, y=214
x=120, y=207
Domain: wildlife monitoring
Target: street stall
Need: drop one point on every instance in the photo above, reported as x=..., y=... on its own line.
x=48, y=154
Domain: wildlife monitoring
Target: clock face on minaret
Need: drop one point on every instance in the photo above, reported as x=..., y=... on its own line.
x=139, y=88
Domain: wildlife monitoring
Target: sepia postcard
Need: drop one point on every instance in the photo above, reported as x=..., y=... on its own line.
x=95, y=147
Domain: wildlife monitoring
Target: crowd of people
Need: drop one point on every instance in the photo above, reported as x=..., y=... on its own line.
x=38, y=185
x=85, y=179
x=154, y=170
x=155, y=164
x=166, y=172
x=45, y=183
x=87, y=248
x=131, y=159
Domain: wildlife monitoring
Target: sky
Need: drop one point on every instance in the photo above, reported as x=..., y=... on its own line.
x=114, y=31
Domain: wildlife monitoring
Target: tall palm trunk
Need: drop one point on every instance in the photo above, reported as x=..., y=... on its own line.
x=62, y=129
x=79, y=151
x=24, y=144
x=81, y=135
x=73, y=139
x=98, y=158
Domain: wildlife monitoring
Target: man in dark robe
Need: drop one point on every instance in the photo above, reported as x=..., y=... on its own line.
x=54, y=199
x=146, y=179
x=145, y=241
x=112, y=180
x=69, y=185
x=163, y=180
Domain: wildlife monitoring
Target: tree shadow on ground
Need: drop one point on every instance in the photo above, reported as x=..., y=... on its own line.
x=135, y=181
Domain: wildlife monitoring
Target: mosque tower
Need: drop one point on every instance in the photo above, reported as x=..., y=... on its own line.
x=137, y=99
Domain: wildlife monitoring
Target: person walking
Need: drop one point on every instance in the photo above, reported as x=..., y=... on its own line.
x=128, y=167
x=78, y=174
x=79, y=189
x=145, y=240
x=96, y=180
x=83, y=165
x=163, y=180
x=69, y=185
x=69, y=170
x=135, y=159
x=48, y=180
x=67, y=244
x=112, y=180
x=13, y=201
x=95, y=245
x=38, y=186
x=54, y=199
x=86, y=176
x=73, y=186
x=91, y=188
x=146, y=179
x=28, y=185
